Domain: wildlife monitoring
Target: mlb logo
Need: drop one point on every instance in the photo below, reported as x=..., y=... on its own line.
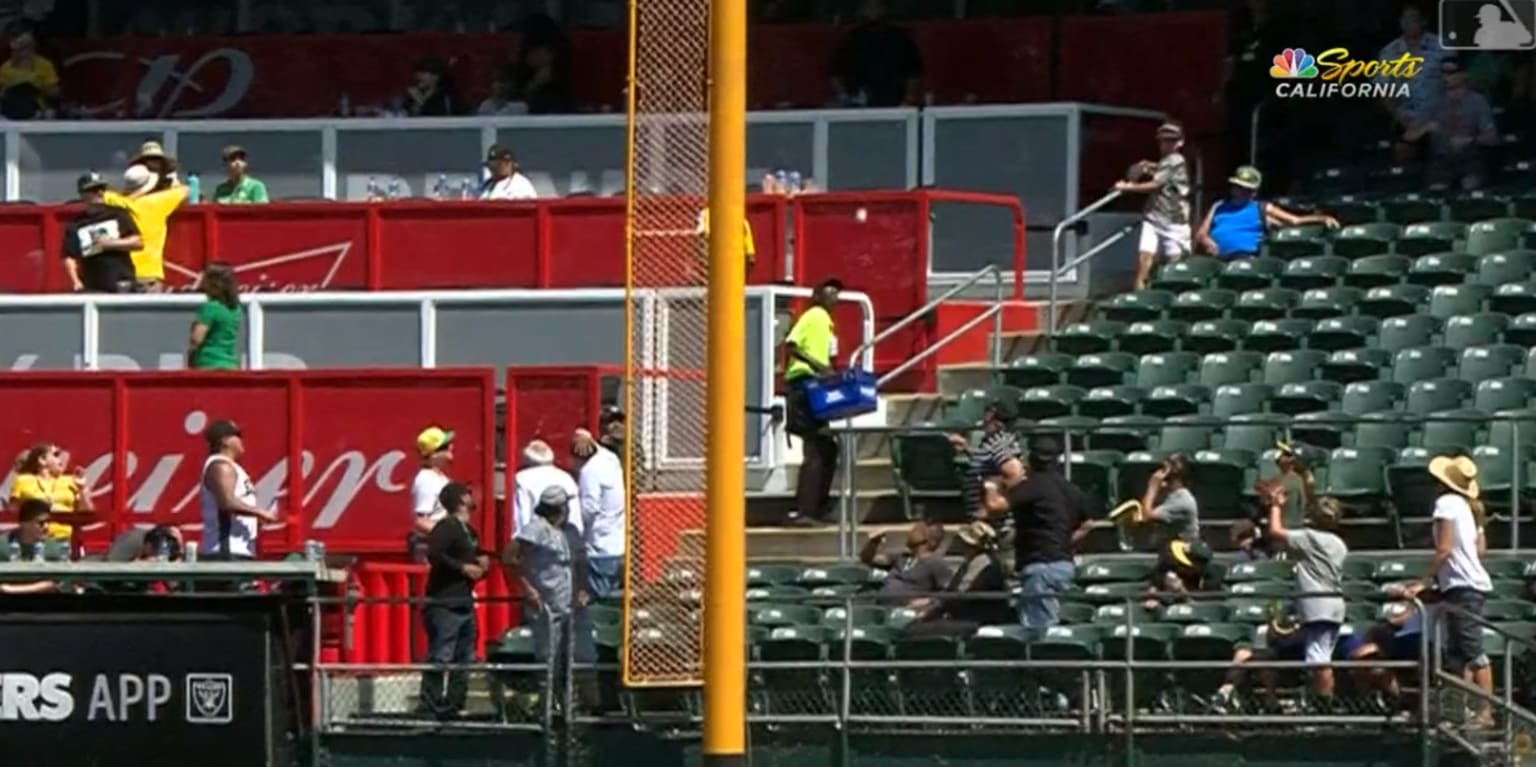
x=1488, y=25
x=210, y=698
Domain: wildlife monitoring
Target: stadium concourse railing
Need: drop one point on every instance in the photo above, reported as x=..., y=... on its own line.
x=1508, y=492
x=1515, y=735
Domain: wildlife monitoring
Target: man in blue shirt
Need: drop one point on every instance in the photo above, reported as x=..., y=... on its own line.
x=1235, y=227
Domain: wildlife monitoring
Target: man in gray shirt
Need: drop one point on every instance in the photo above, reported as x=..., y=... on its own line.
x=549, y=560
x=1165, y=220
x=1319, y=554
x=1169, y=502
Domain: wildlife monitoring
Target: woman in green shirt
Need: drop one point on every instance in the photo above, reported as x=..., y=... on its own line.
x=216, y=330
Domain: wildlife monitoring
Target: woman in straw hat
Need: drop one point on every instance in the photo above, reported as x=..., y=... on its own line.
x=1456, y=571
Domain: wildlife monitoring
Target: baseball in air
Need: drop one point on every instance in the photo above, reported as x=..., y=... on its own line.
x=861, y=215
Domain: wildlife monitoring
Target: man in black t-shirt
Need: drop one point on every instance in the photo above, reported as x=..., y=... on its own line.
x=98, y=242
x=1050, y=517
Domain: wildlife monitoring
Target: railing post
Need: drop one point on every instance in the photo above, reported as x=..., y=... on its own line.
x=1516, y=484
x=1056, y=235
x=1253, y=135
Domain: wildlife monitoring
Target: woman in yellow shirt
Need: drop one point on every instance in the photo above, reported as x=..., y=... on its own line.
x=40, y=473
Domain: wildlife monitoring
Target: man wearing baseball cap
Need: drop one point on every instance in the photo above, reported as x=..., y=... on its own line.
x=1165, y=221
x=231, y=518
x=505, y=181
x=99, y=241
x=239, y=187
x=1236, y=226
x=434, y=446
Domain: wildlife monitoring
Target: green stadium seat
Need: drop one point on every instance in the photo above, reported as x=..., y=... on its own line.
x=772, y=575
x=1392, y=300
x=1250, y=273
x=900, y=617
x=1298, y=242
x=1495, y=477
x=1429, y=237
x=1274, y=589
x=1263, y=570
x=1327, y=302
x=1306, y=397
x=1220, y=482
x=1295, y=366
x=1528, y=237
x=836, y=575
x=1075, y=613
x=1152, y=336
x=1178, y=399
x=1357, y=473
x=1101, y=569
x=1264, y=304
x=761, y=595
x=1505, y=433
x=1481, y=363
x=1193, y=612
x=1422, y=363
x=1483, y=328
x=1408, y=207
x=1388, y=429
x=1507, y=266
x=1115, y=614
x=1454, y=427
x=1187, y=433
x=1062, y=644
x=1275, y=335
x=1188, y=274
x=1254, y=432
x=1348, y=366
x=1530, y=364
x=968, y=408
x=1206, y=642
x=1408, y=483
x=1399, y=567
x=604, y=615
x=1240, y=399
x=1139, y=306
x=1441, y=269
x=924, y=464
x=1038, y=369
x=1044, y=402
x=931, y=691
x=1323, y=429
x=1209, y=336
x=1513, y=298
x=1399, y=333
x=1196, y=305
x=1314, y=272
x=860, y=616
x=1218, y=368
x=1094, y=472
x=773, y=615
x=1507, y=589
x=1495, y=234
x=1335, y=333
x=1149, y=641
x=1088, y=337
x=1508, y=610
x=1521, y=330
x=1116, y=592
x=1165, y=369
x=1068, y=429
x=1428, y=396
x=1361, y=397
x=1353, y=209
x=1110, y=401
x=1252, y=612
x=1372, y=271
x=1450, y=300
x=1477, y=205
x=1360, y=240
x=1104, y=369
x=1125, y=434
x=998, y=689
x=1504, y=565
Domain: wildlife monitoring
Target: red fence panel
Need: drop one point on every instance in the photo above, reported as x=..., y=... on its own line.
x=547, y=403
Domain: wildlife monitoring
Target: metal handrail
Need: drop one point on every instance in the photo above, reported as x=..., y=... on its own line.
x=993, y=312
x=922, y=311
x=1056, y=268
x=1253, y=135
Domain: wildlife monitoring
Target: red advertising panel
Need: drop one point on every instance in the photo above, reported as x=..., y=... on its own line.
x=333, y=452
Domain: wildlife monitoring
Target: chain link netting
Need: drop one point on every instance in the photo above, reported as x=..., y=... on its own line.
x=665, y=385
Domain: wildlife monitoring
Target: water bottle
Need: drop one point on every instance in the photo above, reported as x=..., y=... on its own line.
x=194, y=188
x=466, y=189
x=13, y=551
x=189, y=551
x=394, y=189
x=163, y=551
x=781, y=180
x=39, y=554
x=794, y=182
x=440, y=189
x=374, y=190
x=344, y=106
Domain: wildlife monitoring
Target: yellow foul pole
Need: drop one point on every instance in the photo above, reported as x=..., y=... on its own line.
x=725, y=570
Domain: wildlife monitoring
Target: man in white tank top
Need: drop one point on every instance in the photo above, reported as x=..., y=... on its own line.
x=231, y=519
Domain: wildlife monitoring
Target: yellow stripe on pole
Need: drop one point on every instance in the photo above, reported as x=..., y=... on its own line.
x=725, y=568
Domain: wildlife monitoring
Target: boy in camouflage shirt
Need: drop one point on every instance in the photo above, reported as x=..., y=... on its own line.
x=1165, y=221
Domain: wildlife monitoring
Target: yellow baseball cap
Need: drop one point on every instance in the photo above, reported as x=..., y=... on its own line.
x=433, y=440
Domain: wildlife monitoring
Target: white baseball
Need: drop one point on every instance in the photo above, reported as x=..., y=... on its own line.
x=861, y=215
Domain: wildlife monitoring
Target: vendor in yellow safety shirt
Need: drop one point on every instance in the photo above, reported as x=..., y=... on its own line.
x=811, y=348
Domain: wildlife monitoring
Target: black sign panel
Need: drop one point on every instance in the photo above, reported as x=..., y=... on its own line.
x=135, y=686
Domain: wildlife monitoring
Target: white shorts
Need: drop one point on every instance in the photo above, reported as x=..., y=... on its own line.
x=1171, y=241
x=1319, y=639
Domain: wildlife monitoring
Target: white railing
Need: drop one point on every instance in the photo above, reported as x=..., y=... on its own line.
x=484, y=327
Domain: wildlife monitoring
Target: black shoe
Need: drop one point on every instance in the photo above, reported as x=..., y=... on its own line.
x=797, y=520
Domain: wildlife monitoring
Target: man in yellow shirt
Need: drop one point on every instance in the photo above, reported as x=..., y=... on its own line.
x=811, y=348
x=151, y=211
x=748, y=246
x=25, y=67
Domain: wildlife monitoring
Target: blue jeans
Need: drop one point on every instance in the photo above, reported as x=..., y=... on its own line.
x=451, y=636
x=1043, y=581
x=605, y=576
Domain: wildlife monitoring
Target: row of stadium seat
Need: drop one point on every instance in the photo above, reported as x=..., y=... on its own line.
x=1416, y=239
x=1305, y=273
x=1442, y=302
x=1350, y=205
x=1337, y=333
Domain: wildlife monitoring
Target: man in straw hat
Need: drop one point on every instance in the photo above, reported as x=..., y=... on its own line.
x=150, y=194
x=1165, y=221
x=1235, y=227
x=1456, y=571
x=1319, y=554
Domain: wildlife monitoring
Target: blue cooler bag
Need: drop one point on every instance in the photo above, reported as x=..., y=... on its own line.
x=851, y=393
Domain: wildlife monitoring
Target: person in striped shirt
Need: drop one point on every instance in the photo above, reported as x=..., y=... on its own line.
x=995, y=456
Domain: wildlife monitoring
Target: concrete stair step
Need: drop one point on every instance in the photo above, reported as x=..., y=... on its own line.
x=871, y=474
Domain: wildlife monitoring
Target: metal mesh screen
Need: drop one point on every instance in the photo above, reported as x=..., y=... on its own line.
x=668, y=179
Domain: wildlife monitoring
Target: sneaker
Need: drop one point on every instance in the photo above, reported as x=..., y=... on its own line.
x=797, y=520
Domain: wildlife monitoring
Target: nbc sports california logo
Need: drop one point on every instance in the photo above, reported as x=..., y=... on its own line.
x=1335, y=73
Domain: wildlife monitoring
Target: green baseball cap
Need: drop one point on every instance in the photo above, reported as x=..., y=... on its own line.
x=1247, y=177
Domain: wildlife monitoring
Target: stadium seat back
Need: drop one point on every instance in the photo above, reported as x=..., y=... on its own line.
x=1399, y=333
x=1361, y=397
x=1215, y=335
x=1165, y=369
x=1292, y=366
x=1152, y=336
x=1037, y=369
x=1347, y=366
x=1481, y=329
x=1314, y=272
x=1373, y=271
x=1250, y=273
